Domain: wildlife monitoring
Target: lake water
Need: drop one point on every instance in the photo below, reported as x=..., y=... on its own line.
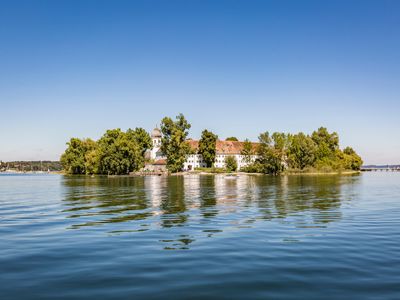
x=255, y=237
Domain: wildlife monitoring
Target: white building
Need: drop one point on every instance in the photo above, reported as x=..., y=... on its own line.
x=223, y=150
x=155, y=152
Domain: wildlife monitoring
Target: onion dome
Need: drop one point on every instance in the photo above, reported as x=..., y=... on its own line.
x=156, y=133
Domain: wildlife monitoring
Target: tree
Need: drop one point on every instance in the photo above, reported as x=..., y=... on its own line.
x=119, y=153
x=280, y=144
x=73, y=159
x=352, y=161
x=230, y=163
x=301, y=151
x=143, y=140
x=322, y=136
x=280, y=141
x=269, y=160
x=349, y=151
x=207, y=147
x=116, y=152
x=327, y=143
x=92, y=160
x=232, y=139
x=247, y=151
x=265, y=139
x=173, y=142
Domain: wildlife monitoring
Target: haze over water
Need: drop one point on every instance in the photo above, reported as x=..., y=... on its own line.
x=257, y=237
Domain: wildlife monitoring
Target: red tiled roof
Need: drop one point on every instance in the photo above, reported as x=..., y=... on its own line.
x=160, y=162
x=224, y=147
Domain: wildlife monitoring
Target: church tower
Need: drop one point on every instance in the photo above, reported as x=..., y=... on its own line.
x=156, y=138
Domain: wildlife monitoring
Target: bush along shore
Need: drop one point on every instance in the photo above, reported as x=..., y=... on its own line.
x=120, y=152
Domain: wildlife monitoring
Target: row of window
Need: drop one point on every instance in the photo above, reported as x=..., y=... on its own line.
x=219, y=158
x=198, y=156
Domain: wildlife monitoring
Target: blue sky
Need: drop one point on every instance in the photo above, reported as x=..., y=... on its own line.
x=77, y=68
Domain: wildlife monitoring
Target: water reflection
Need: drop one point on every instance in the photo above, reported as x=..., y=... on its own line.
x=102, y=200
x=173, y=205
x=321, y=196
x=184, y=209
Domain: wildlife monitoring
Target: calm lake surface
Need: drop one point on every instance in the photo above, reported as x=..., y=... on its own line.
x=256, y=237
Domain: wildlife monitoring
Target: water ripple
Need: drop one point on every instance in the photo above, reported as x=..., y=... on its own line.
x=300, y=237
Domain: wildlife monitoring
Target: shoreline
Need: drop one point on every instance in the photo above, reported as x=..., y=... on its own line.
x=200, y=173
x=262, y=174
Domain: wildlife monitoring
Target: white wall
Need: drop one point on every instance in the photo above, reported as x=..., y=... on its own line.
x=196, y=161
x=156, y=147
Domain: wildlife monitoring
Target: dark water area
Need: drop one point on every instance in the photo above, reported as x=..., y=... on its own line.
x=197, y=237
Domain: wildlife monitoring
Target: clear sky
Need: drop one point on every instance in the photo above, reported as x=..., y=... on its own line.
x=77, y=68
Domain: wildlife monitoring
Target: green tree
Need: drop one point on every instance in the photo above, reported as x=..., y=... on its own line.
x=73, y=159
x=322, y=136
x=269, y=160
x=280, y=144
x=207, y=147
x=119, y=153
x=232, y=139
x=247, y=151
x=280, y=141
x=327, y=144
x=349, y=151
x=91, y=156
x=92, y=160
x=301, y=151
x=143, y=140
x=272, y=162
x=352, y=161
x=173, y=142
x=265, y=139
x=230, y=163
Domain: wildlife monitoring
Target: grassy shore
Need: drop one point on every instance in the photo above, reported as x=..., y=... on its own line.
x=341, y=172
x=288, y=172
x=224, y=173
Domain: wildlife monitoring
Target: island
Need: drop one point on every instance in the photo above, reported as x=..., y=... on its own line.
x=169, y=150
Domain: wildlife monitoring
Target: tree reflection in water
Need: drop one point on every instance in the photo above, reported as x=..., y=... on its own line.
x=173, y=205
x=102, y=200
x=182, y=209
x=289, y=195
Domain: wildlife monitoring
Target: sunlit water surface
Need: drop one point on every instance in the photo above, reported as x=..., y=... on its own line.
x=255, y=237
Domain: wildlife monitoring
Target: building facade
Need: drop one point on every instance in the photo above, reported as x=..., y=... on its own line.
x=223, y=150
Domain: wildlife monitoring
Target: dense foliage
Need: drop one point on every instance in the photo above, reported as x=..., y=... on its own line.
x=232, y=138
x=300, y=152
x=230, y=164
x=269, y=156
x=247, y=151
x=207, y=147
x=115, y=153
x=173, y=142
x=118, y=152
x=74, y=158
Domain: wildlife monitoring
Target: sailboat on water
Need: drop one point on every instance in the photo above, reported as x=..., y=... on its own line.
x=41, y=169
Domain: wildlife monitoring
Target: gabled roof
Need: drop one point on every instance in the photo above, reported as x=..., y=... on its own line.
x=224, y=147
